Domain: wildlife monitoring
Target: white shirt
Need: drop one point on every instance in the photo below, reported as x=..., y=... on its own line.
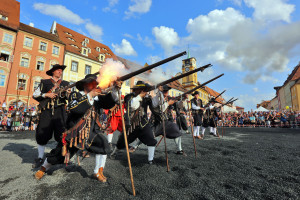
x=160, y=100
x=194, y=107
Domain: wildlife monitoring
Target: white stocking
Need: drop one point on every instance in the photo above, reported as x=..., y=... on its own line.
x=41, y=150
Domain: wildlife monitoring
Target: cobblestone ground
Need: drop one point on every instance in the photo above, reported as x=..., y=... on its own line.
x=249, y=163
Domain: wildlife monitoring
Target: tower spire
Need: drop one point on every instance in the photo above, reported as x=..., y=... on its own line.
x=188, y=54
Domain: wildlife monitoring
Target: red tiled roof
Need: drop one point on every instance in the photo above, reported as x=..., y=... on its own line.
x=238, y=107
x=39, y=32
x=11, y=10
x=294, y=75
x=78, y=39
x=213, y=93
x=177, y=85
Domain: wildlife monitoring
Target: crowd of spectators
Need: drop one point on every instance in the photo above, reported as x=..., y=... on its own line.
x=287, y=119
x=18, y=117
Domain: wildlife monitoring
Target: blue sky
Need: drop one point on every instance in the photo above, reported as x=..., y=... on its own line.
x=254, y=42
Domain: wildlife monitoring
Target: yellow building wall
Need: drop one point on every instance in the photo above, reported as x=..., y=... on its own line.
x=295, y=93
x=72, y=76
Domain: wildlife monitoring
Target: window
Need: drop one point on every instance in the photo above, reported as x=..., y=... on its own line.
x=4, y=56
x=4, y=18
x=40, y=65
x=84, y=43
x=21, y=84
x=71, y=39
x=98, y=49
x=68, y=33
x=89, y=50
x=84, y=52
x=28, y=42
x=24, y=62
x=74, y=66
x=55, y=50
x=73, y=45
x=43, y=46
x=2, y=78
x=88, y=69
x=86, y=40
x=8, y=38
x=36, y=85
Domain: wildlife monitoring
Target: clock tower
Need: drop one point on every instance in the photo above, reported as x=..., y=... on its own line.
x=189, y=82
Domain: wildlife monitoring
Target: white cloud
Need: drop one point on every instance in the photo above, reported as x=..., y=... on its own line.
x=94, y=30
x=271, y=9
x=166, y=37
x=249, y=101
x=128, y=35
x=234, y=42
x=216, y=25
x=125, y=48
x=255, y=89
x=153, y=59
x=139, y=6
x=111, y=4
x=146, y=41
x=60, y=12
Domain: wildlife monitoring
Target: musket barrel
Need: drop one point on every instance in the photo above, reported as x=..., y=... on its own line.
x=199, y=86
x=128, y=76
x=183, y=75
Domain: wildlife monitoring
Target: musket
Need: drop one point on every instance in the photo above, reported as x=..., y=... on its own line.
x=197, y=87
x=61, y=90
x=220, y=94
x=178, y=77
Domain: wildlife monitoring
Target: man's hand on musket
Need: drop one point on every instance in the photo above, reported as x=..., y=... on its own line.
x=50, y=95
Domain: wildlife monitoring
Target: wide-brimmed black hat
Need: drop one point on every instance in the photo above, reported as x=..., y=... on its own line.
x=87, y=79
x=141, y=85
x=166, y=88
x=195, y=93
x=55, y=67
x=212, y=100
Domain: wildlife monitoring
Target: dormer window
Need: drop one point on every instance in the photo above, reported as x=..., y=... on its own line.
x=86, y=40
x=71, y=39
x=101, y=57
x=3, y=17
x=83, y=43
x=98, y=49
x=73, y=45
x=84, y=51
x=68, y=33
x=89, y=50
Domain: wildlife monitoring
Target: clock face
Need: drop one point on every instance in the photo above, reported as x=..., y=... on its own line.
x=187, y=69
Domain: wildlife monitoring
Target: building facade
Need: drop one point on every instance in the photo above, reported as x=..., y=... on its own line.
x=9, y=25
x=83, y=55
x=295, y=93
x=191, y=81
x=36, y=52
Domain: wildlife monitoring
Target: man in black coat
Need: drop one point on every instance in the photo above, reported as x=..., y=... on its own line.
x=137, y=123
x=197, y=111
x=159, y=109
x=84, y=129
x=52, y=117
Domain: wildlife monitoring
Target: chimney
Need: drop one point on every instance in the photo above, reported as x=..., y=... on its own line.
x=53, y=28
x=31, y=24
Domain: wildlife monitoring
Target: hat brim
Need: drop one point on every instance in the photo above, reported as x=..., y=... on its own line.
x=56, y=67
x=80, y=84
